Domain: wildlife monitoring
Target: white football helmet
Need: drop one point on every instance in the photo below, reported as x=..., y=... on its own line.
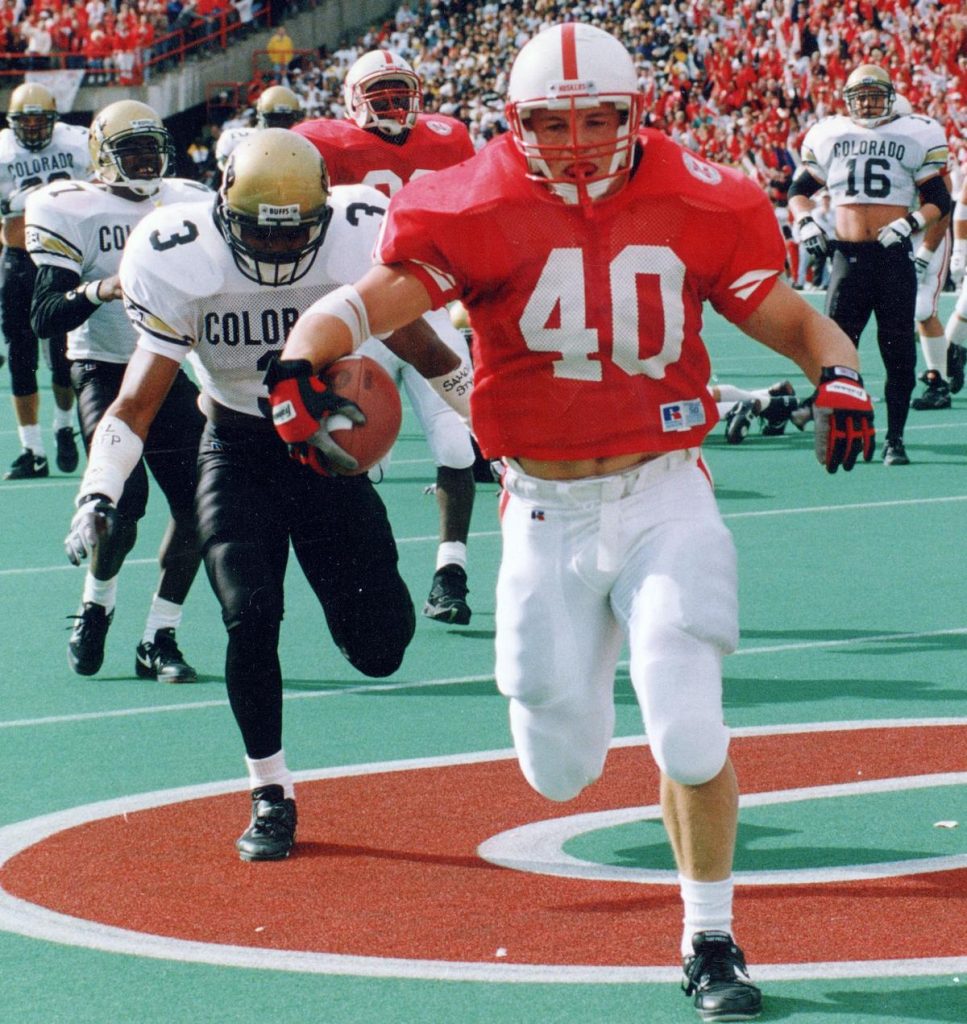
x=569, y=67
x=278, y=107
x=32, y=114
x=272, y=206
x=869, y=96
x=383, y=93
x=130, y=147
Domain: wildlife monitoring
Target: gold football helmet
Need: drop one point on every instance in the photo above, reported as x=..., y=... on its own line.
x=869, y=96
x=272, y=206
x=278, y=107
x=130, y=147
x=32, y=114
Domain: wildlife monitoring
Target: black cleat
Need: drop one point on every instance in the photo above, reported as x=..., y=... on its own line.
x=271, y=833
x=719, y=979
x=776, y=414
x=738, y=420
x=447, y=601
x=936, y=394
x=894, y=453
x=782, y=387
x=803, y=413
x=956, y=361
x=160, y=659
x=67, y=456
x=27, y=466
x=85, y=649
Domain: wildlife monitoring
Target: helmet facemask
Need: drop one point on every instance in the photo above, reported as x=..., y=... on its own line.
x=618, y=150
x=136, y=159
x=277, y=246
x=387, y=103
x=33, y=127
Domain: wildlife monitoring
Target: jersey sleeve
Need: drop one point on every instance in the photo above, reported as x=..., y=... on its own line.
x=755, y=260
x=155, y=305
x=936, y=154
x=810, y=155
x=51, y=226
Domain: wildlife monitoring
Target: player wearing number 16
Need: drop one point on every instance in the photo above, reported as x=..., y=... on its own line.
x=584, y=250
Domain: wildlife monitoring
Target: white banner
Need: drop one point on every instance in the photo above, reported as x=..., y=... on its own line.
x=63, y=84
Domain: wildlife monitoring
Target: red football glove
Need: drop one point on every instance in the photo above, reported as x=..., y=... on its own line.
x=843, y=415
x=301, y=404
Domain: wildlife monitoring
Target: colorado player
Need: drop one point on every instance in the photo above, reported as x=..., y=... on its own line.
x=76, y=233
x=276, y=107
x=584, y=250
x=385, y=141
x=222, y=287
x=874, y=165
x=34, y=150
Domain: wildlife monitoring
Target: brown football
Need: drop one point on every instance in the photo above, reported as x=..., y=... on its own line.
x=365, y=382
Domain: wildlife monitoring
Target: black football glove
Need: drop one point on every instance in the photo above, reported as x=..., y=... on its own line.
x=843, y=418
x=302, y=404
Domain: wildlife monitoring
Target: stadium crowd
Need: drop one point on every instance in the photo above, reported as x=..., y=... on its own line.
x=738, y=81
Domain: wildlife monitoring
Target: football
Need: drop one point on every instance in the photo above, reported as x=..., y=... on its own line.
x=365, y=382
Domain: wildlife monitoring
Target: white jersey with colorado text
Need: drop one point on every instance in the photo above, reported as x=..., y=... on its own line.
x=66, y=156
x=880, y=166
x=83, y=227
x=187, y=298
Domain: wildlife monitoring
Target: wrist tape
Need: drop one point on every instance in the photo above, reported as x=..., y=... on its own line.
x=115, y=451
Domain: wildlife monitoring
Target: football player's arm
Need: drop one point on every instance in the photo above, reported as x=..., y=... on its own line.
x=842, y=410
x=116, y=447
x=61, y=302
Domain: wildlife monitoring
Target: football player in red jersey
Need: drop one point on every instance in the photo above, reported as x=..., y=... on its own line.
x=386, y=141
x=584, y=250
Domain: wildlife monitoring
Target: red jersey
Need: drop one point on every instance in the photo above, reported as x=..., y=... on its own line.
x=587, y=323
x=355, y=156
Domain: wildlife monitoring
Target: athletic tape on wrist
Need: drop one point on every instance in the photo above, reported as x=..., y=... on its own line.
x=115, y=450
x=90, y=293
x=345, y=304
x=454, y=388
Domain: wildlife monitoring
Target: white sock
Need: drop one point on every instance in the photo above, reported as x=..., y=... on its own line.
x=62, y=418
x=270, y=771
x=32, y=437
x=162, y=615
x=935, y=353
x=708, y=908
x=102, y=592
x=731, y=394
x=451, y=552
x=956, y=331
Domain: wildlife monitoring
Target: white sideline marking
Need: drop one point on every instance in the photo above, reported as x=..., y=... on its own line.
x=27, y=919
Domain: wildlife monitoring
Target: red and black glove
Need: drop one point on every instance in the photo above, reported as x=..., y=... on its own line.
x=301, y=404
x=843, y=415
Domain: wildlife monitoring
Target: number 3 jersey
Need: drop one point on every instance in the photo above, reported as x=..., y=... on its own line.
x=875, y=166
x=83, y=227
x=587, y=323
x=187, y=297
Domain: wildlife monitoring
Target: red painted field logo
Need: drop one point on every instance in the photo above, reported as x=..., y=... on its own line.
x=455, y=868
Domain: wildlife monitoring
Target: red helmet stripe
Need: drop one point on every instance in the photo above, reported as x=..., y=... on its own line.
x=569, y=51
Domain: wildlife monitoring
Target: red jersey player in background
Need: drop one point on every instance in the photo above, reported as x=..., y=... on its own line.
x=584, y=250
x=386, y=141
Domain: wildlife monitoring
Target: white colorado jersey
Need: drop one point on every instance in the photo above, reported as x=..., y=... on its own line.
x=187, y=298
x=227, y=142
x=83, y=227
x=66, y=156
x=880, y=166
